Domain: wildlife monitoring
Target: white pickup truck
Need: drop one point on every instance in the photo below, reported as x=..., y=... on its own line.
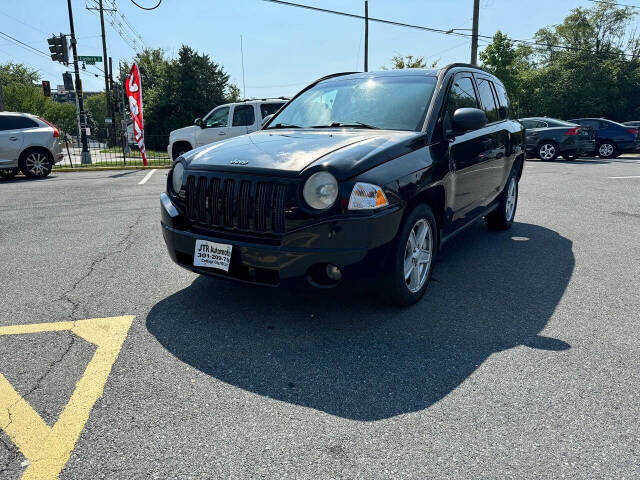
x=225, y=121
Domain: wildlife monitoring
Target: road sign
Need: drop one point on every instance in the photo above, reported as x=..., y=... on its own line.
x=90, y=59
x=108, y=121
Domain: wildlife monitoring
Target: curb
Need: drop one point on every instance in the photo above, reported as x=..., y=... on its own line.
x=98, y=169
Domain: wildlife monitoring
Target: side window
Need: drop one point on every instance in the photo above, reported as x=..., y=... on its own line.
x=488, y=102
x=461, y=95
x=529, y=123
x=219, y=118
x=243, y=116
x=269, y=108
x=15, y=122
x=503, y=99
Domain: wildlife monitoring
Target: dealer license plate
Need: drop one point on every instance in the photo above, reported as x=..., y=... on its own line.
x=212, y=255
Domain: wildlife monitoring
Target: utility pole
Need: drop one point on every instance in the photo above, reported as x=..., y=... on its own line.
x=112, y=101
x=366, y=35
x=85, y=156
x=104, y=57
x=474, y=33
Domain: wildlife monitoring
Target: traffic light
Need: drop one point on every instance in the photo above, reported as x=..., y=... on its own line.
x=46, y=88
x=68, y=82
x=59, y=49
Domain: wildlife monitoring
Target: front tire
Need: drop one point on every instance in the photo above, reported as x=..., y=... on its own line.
x=548, y=151
x=8, y=172
x=502, y=217
x=412, y=258
x=36, y=163
x=607, y=149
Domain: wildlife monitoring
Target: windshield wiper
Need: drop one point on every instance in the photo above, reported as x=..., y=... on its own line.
x=348, y=124
x=283, y=125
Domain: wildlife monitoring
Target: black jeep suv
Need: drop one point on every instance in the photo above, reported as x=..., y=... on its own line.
x=359, y=174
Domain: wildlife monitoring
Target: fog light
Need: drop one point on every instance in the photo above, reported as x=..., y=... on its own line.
x=333, y=272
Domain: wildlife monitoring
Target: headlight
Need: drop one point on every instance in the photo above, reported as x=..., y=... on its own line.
x=366, y=196
x=320, y=191
x=176, y=177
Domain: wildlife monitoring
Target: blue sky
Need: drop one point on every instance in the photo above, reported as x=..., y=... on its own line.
x=284, y=47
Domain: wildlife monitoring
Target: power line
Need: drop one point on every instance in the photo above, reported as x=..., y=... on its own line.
x=371, y=19
x=23, y=23
x=442, y=31
x=24, y=45
x=147, y=8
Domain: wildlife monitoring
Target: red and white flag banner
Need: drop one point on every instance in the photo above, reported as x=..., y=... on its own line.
x=133, y=86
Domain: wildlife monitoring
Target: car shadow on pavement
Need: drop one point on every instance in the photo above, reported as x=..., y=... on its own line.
x=345, y=353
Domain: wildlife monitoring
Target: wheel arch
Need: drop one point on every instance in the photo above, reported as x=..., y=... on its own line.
x=435, y=198
x=179, y=143
x=36, y=148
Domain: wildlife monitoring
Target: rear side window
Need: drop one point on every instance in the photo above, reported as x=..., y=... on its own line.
x=488, y=102
x=15, y=122
x=243, y=116
x=503, y=99
x=269, y=108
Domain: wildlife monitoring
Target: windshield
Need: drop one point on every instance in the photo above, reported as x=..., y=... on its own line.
x=386, y=102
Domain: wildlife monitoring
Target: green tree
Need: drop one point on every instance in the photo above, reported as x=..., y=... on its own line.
x=589, y=65
x=399, y=62
x=22, y=95
x=96, y=106
x=509, y=63
x=189, y=87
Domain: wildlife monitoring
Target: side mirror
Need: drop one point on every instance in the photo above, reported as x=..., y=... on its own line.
x=266, y=119
x=467, y=119
x=198, y=122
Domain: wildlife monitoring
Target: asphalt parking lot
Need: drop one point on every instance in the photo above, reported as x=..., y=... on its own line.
x=522, y=360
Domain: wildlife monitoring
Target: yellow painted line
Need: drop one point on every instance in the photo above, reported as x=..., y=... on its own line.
x=48, y=448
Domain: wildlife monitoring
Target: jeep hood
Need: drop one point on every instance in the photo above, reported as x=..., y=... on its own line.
x=292, y=151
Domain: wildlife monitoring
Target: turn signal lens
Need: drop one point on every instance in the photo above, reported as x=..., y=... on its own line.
x=366, y=196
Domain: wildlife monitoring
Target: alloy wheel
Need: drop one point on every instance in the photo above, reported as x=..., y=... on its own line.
x=605, y=150
x=37, y=164
x=547, y=151
x=418, y=254
x=512, y=194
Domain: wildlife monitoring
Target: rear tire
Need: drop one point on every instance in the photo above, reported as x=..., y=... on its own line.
x=36, y=163
x=548, y=151
x=607, y=149
x=8, y=172
x=502, y=217
x=412, y=258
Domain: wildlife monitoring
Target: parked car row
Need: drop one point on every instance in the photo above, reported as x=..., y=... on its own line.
x=547, y=138
x=28, y=144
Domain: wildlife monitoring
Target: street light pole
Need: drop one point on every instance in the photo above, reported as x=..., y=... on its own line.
x=85, y=156
x=104, y=56
x=474, y=33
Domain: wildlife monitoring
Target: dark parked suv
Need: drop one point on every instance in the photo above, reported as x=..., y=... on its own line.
x=612, y=138
x=547, y=138
x=359, y=174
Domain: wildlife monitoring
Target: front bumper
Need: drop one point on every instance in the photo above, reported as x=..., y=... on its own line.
x=355, y=244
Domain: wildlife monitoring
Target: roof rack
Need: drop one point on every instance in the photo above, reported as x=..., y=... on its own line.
x=263, y=99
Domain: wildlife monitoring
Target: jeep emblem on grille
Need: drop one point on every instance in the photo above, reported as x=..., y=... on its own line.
x=239, y=162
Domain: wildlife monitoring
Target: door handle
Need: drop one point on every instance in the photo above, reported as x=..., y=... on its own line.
x=13, y=138
x=221, y=133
